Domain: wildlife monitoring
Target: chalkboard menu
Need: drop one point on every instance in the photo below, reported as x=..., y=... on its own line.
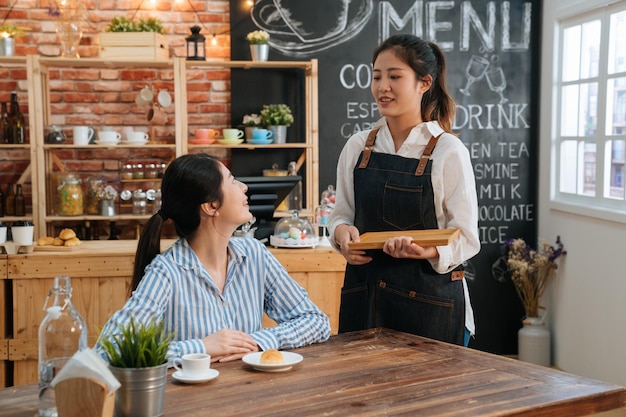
x=493, y=65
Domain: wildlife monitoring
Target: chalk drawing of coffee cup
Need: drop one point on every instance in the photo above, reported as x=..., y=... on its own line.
x=299, y=27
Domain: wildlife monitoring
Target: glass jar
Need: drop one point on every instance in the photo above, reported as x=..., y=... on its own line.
x=70, y=196
x=127, y=172
x=138, y=172
x=161, y=169
x=140, y=202
x=151, y=171
x=94, y=188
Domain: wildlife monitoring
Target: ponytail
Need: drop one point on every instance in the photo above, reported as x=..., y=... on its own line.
x=148, y=247
x=437, y=104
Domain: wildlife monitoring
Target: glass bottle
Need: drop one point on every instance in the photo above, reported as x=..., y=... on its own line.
x=17, y=125
x=4, y=123
x=62, y=333
x=295, y=196
x=20, y=202
x=9, y=203
x=1, y=203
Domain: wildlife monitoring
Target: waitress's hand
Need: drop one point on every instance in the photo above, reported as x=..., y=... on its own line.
x=402, y=247
x=344, y=234
x=227, y=345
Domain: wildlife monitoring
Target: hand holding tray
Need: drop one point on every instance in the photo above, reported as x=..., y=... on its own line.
x=430, y=237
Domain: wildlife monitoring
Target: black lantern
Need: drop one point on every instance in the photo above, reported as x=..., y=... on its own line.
x=195, y=45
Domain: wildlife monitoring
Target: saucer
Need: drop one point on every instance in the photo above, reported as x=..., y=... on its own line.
x=260, y=141
x=254, y=360
x=230, y=142
x=201, y=141
x=212, y=374
x=283, y=38
x=107, y=142
x=136, y=142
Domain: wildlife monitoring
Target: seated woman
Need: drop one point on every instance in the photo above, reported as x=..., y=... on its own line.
x=210, y=288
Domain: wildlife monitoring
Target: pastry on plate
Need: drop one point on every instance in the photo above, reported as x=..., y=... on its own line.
x=272, y=357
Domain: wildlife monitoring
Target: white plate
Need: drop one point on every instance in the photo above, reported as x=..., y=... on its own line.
x=230, y=142
x=107, y=142
x=254, y=360
x=212, y=374
x=164, y=98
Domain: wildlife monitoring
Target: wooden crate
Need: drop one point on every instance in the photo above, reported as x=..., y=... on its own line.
x=134, y=45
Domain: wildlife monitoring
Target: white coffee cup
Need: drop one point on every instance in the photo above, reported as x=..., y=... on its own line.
x=23, y=235
x=145, y=96
x=193, y=365
x=136, y=136
x=83, y=135
x=109, y=136
x=3, y=232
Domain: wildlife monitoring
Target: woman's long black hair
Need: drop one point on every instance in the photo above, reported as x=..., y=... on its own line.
x=188, y=182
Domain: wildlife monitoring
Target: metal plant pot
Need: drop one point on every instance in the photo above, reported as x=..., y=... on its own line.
x=142, y=391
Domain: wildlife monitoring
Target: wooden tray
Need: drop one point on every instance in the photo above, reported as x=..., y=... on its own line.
x=431, y=237
x=52, y=248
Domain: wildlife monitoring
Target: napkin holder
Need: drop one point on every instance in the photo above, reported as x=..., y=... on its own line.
x=80, y=397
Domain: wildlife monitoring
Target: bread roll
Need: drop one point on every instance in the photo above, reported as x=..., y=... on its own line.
x=72, y=242
x=58, y=241
x=45, y=241
x=67, y=234
x=272, y=357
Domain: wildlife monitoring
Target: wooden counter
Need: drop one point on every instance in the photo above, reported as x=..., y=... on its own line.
x=101, y=272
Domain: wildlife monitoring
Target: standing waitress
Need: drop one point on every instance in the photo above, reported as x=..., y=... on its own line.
x=408, y=173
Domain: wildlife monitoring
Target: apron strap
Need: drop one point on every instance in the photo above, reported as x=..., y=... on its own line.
x=426, y=155
x=367, y=149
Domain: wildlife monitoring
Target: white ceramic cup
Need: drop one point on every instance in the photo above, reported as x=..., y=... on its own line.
x=83, y=135
x=193, y=365
x=145, y=96
x=136, y=136
x=164, y=98
x=3, y=233
x=109, y=136
x=232, y=134
x=23, y=235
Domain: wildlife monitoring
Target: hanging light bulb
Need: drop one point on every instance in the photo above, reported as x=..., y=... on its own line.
x=214, y=40
x=249, y=3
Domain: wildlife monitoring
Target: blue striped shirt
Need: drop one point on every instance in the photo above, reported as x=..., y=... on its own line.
x=176, y=286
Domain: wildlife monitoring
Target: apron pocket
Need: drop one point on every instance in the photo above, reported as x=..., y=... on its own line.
x=402, y=206
x=354, y=311
x=412, y=312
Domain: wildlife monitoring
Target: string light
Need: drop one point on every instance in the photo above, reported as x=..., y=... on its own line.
x=214, y=40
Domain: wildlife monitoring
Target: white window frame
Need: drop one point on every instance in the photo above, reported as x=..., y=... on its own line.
x=596, y=206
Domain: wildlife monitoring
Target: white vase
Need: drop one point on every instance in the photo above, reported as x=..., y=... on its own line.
x=533, y=342
x=259, y=52
x=279, y=134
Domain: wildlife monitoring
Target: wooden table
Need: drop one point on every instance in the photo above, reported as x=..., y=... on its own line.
x=374, y=373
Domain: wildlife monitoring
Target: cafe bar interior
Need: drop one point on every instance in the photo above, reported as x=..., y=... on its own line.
x=98, y=99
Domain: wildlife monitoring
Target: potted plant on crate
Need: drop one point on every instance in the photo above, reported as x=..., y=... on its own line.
x=143, y=38
x=277, y=117
x=137, y=358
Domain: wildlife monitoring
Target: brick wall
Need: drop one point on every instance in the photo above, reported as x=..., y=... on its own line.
x=106, y=97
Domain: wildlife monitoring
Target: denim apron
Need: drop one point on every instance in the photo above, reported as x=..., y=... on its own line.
x=395, y=193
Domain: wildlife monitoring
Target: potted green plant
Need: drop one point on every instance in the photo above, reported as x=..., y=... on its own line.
x=137, y=358
x=143, y=38
x=277, y=117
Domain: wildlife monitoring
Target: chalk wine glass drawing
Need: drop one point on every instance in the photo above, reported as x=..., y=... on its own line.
x=299, y=28
x=478, y=68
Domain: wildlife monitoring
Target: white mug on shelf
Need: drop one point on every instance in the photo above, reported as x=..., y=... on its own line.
x=83, y=135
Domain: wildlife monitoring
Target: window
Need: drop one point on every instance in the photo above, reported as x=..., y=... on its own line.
x=591, y=123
